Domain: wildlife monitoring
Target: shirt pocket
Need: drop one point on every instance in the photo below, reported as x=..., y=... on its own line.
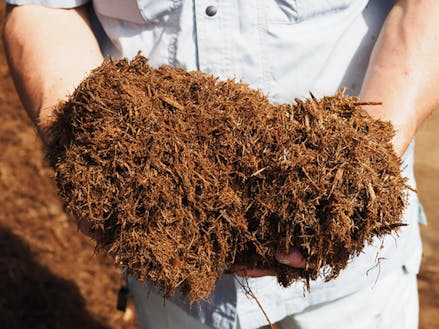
x=295, y=11
x=137, y=11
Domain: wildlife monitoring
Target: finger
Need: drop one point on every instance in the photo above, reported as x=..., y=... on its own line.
x=85, y=227
x=242, y=270
x=256, y=273
x=293, y=259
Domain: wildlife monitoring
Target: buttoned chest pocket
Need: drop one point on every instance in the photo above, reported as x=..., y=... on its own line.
x=137, y=11
x=294, y=11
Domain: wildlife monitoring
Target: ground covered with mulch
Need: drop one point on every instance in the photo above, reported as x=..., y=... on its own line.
x=50, y=276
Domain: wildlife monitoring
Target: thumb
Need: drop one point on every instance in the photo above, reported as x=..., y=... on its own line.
x=293, y=259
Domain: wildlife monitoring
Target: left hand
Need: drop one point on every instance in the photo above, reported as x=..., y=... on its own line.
x=293, y=259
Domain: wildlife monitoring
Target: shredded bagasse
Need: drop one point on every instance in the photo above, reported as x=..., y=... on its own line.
x=181, y=175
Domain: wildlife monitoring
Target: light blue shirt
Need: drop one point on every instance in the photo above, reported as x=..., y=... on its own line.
x=285, y=48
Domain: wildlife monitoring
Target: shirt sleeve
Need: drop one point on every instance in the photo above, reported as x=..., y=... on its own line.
x=49, y=3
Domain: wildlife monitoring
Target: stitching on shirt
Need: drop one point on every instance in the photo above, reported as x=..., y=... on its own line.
x=174, y=16
x=225, y=21
x=266, y=66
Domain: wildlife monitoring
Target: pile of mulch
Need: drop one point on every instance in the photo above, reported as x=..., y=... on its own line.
x=180, y=175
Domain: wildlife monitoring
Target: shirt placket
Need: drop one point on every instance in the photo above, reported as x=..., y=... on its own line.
x=212, y=24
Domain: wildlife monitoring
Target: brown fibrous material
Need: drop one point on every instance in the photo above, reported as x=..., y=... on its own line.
x=180, y=175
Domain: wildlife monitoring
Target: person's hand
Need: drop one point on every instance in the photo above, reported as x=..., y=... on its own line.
x=293, y=259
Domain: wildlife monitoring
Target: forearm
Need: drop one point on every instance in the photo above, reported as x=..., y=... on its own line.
x=49, y=52
x=403, y=72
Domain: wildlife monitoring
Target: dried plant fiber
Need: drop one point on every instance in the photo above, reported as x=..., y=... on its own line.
x=180, y=175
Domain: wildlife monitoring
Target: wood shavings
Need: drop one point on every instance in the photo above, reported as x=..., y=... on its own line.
x=181, y=175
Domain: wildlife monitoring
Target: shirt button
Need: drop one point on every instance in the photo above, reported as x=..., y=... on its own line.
x=211, y=11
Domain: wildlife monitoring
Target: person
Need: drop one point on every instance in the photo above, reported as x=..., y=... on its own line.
x=384, y=51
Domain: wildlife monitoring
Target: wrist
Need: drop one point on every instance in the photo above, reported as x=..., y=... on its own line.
x=402, y=121
x=404, y=134
x=44, y=122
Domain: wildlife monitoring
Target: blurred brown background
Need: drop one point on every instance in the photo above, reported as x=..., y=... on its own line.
x=50, y=276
